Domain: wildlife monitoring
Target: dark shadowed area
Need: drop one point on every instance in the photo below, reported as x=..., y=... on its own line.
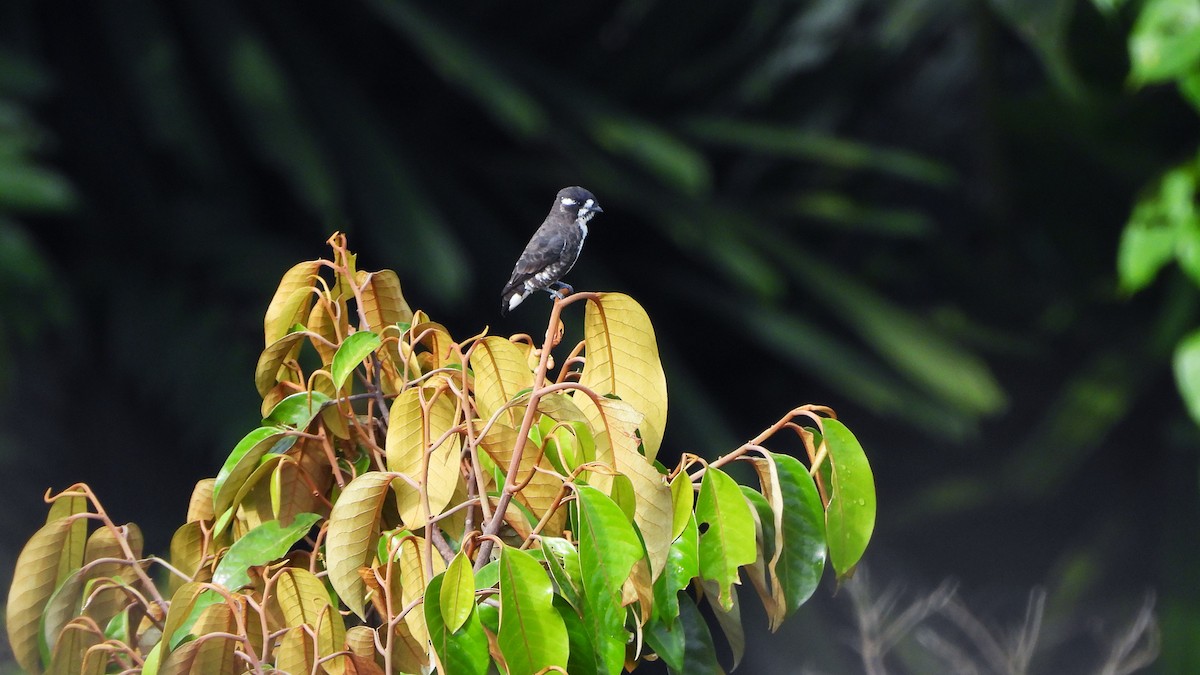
x=908, y=211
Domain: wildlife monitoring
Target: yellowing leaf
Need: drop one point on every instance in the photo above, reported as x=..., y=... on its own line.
x=654, y=512
x=350, y=541
x=622, y=359
x=410, y=451
x=266, y=373
x=33, y=583
x=291, y=302
x=500, y=373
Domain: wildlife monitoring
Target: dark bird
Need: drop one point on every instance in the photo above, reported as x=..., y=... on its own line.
x=553, y=249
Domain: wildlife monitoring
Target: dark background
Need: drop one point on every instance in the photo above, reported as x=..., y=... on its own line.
x=908, y=211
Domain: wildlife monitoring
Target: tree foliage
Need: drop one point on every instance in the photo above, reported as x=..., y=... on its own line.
x=413, y=501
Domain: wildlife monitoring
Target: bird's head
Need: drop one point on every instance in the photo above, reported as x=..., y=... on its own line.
x=578, y=203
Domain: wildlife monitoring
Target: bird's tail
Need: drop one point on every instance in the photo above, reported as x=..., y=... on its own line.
x=510, y=298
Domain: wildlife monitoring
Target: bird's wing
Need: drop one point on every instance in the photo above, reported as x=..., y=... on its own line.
x=546, y=246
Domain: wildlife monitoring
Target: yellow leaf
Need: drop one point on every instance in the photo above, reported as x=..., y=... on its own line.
x=500, y=373
x=70, y=649
x=561, y=408
x=207, y=655
x=542, y=488
x=438, y=343
x=266, y=373
x=331, y=639
x=34, y=581
x=408, y=655
x=332, y=328
x=187, y=552
x=300, y=596
x=622, y=359
x=360, y=640
x=201, y=505
x=291, y=302
x=383, y=302
x=295, y=653
x=72, y=558
x=415, y=564
x=350, y=541
x=410, y=451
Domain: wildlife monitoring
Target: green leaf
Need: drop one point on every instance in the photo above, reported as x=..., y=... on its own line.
x=622, y=493
x=667, y=640
x=727, y=532
x=683, y=500
x=850, y=516
x=730, y=621
x=352, y=352
x=683, y=564
x=261, y=545
x=1187, y=372
x=1165, y=41
x=297, y=410
x=802, y=557
x=532, y=635
x=463, y=651
x=488, y=576
x=700, y=655
x=1143, y=251
x=608, y=548
x=579, y=639
x=1157, y=227
x=458, y=592
x=562, y=560
x=243, y=460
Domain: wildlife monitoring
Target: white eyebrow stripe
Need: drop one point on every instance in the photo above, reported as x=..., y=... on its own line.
x=567, y=201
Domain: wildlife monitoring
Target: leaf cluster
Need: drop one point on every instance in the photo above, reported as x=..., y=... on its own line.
x=1164, y=47
x=412, y=501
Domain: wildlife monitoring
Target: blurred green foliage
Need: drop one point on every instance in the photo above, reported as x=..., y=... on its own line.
x=915, y=205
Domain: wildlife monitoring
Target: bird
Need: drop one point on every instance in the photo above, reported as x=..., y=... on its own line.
x=553, y=249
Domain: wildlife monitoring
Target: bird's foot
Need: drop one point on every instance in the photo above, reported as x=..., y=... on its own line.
x=558, y=290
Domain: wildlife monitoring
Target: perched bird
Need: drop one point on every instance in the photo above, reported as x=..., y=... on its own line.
x=553, y=249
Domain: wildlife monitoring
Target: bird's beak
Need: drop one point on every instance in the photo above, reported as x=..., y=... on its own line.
x=596, y=208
